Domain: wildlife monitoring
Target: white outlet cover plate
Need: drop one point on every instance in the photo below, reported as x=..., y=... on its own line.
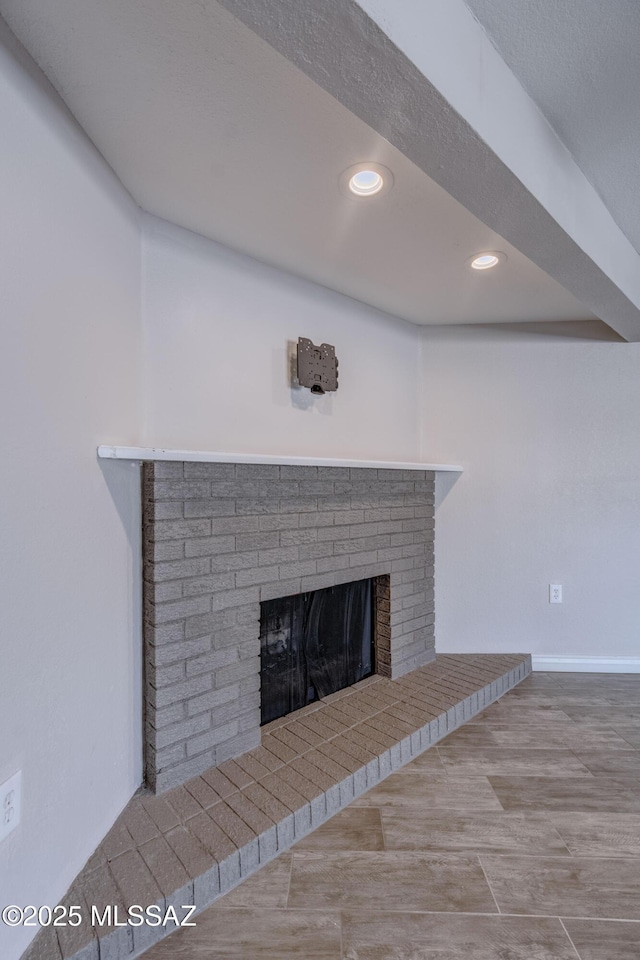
x=10, y=804
x=555, y=593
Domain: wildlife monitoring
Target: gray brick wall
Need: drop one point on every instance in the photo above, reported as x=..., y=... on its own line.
x=220, y=538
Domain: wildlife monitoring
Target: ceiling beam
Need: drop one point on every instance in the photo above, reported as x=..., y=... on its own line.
x=424, y=75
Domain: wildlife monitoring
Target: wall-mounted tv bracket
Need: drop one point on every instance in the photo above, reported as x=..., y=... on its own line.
x=317, y=366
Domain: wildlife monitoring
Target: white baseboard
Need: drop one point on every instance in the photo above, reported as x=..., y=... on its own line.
x=586, y=664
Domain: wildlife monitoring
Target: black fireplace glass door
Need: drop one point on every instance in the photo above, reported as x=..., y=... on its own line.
x=313, y=644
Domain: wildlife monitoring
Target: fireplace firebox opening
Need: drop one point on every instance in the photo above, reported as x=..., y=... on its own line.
x=316, y=643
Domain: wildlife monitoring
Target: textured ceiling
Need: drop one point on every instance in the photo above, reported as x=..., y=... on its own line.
x=580, y=62
x=209, y=127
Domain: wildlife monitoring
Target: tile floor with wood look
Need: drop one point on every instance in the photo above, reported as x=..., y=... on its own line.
x=517, y=837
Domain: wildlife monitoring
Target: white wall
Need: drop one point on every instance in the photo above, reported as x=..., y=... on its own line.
x=69, y=379
x=217, y=325
x=548, y=430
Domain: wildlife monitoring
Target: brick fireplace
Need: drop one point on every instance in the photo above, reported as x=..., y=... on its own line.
x=220, y=538
x=208, y=564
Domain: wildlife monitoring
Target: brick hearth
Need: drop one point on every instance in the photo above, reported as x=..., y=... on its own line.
x=199, y=840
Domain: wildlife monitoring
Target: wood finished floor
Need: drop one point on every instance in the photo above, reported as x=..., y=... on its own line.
x=516, y=838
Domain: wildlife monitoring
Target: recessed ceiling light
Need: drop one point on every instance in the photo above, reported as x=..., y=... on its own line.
x=366, y=180
x=485, y=261
x=366, y=183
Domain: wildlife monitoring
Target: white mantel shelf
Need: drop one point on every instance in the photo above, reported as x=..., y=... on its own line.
x=209, y=456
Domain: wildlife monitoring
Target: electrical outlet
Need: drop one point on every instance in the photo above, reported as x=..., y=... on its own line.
x=10, y=804
x=555, y=593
